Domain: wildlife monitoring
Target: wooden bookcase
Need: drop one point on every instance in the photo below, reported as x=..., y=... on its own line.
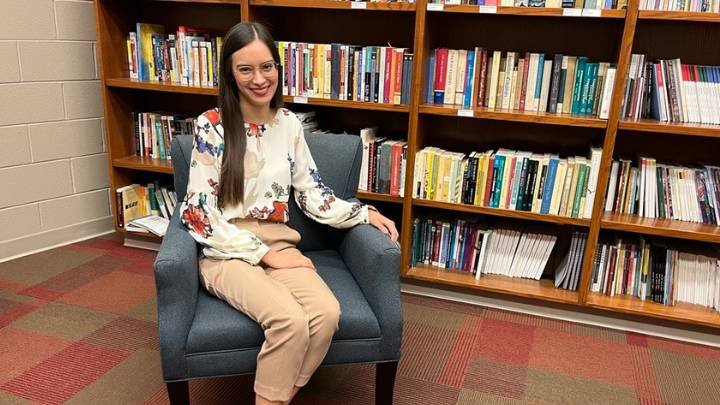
x=610, y=37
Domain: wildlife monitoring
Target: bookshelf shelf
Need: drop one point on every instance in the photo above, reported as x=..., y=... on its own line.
x=126, y=83
x=661, y=227
x=543, y=289
x=680, y=312
x=364, y=195
x=144, y=164
x=516, y=116
x=679, y=16
x=555, y=219
x=708, y=131
x=526, y=11
x=358, y=105
x=334, y=4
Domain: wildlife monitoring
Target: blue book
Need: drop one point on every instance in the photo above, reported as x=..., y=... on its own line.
x=538, y=83
x=430, y=78
x=549, y=183
x=498, y=167
x=469, y=75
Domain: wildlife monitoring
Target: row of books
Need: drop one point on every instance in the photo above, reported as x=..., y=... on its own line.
x=671, y=91
x=379, y=74
x=154, y=131
x=472, y=248
x=383, y=164
x=654, y=190
x=532, y=82
x=657, y=273
x=508, y=179
x=188, y=57
x=136, y=201
x=567, y=274
x=706, y=6
x=586, y=4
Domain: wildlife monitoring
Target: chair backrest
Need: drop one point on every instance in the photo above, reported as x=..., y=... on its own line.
x=338, y=158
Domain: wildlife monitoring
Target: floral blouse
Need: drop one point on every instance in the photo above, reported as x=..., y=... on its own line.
x=276, y=158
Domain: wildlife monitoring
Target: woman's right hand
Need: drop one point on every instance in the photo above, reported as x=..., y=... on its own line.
x=285, y=259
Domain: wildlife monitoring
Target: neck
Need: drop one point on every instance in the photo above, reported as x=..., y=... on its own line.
x=255, y=114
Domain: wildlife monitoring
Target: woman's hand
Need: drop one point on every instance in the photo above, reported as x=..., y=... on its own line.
x=385, y=225
x=286, y=259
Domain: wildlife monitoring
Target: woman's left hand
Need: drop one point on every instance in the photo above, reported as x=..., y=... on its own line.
x=385, y=225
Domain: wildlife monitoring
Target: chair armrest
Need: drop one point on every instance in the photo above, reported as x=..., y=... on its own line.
x=374, y=261
x=176, y=280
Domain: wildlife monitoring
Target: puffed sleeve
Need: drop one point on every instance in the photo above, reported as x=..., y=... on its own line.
x=200, y=212
x=314, y=198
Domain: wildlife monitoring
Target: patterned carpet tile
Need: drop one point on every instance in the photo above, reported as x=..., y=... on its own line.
x=78, y=325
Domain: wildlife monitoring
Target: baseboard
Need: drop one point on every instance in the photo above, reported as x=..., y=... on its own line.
x=39, y=242
x=708, y=339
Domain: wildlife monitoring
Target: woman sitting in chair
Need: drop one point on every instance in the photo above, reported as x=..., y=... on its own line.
x=247, y=154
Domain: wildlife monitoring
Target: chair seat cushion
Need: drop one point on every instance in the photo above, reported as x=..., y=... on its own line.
x=217, y=326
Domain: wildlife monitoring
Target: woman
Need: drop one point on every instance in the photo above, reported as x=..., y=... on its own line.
x=241, y=171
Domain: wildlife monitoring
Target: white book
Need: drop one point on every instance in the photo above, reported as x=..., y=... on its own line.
x=529, y=261
x=606, y=98
x=514, y=240
x=595, y=155
x=479, y=264
x=460, y=76
x=507, y=83
x=557, y=188
x=367, y=136
x=530, y=85
x=494, y=77
x=516, y=267
x=549, y=241
x=612, y=185
x=451, y=77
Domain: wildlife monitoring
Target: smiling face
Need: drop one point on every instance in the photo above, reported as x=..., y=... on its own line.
x=255, y=74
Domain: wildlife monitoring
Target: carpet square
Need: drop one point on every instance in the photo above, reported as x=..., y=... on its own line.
x=58, y=378
x=115, y=292
x=145, y=311
x=125, y=334
x=528, y=320
x=582, y=356
x=64, y=321
x=141, y=265
x=44, y=294
x=497, y=378
x=505, y=342
x=691, y=349
x=130, y=382
x=465, y=341
x=646, y=388
x=36, y=268
x=636, y=339
x=8, y=286
x=470, y=397
x=686, y=379
x=20, y=350
x=434, y=317
x=418, y=392
x=15, y=312
x=82, y=274
x=419, y=362
x=7, y=398
x=556, y=388
x=599, y=333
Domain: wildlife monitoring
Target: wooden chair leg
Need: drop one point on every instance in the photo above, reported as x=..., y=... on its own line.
x=179, y=393
x=385, y=382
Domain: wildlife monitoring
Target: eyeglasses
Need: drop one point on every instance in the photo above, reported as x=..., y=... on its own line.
x=267, y=69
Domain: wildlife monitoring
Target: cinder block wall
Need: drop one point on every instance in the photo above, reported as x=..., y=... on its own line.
x=54, y=184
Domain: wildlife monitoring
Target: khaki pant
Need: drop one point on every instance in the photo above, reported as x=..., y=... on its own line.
x=297, y=311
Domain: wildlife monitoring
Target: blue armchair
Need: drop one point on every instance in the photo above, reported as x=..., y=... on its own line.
x=201, y=336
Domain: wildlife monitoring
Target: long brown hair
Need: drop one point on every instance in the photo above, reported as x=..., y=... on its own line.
x=232, y=176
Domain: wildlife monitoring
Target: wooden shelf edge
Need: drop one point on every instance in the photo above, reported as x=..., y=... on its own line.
x=128, y=83
x=709, y=131
x=516, y=116
x=526, y=11
x=681, y=312
x=556, y=219
x=334, y=5
x=144, y=164
x=346, y=104
x=678, y=16
x=542, y=290
x=365, y=195
x=661, y=227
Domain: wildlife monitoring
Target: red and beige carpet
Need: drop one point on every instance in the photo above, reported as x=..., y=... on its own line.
x=77, y=325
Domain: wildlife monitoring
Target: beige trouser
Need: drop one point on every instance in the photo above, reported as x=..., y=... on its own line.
x=297, y=311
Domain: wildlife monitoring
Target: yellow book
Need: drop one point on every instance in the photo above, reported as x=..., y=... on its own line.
x=573, y=186
x=431, y=174
x=146, y=62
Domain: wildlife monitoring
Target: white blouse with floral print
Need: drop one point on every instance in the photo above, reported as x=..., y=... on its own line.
x=276, y=158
